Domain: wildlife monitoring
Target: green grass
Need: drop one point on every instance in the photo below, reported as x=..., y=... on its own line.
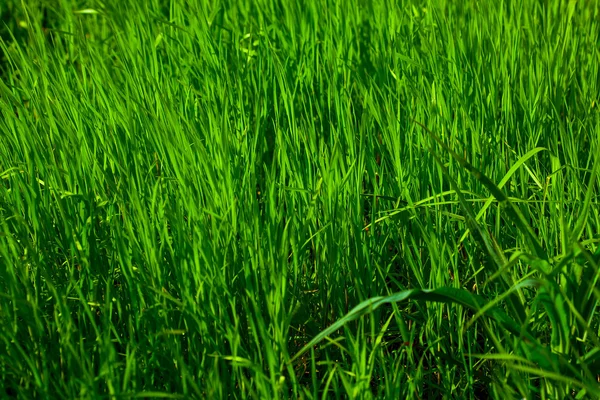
x=299, y=199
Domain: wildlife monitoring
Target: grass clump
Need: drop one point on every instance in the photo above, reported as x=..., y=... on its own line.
x=304, y=199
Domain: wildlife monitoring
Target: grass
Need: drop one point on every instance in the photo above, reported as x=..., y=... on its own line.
x=299, y=199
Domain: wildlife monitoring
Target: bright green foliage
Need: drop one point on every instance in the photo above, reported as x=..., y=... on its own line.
x=299, y=199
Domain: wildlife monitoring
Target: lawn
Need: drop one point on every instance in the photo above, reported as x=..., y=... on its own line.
x=301, y=199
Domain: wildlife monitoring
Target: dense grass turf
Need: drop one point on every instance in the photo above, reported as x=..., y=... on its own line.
x=299, y=199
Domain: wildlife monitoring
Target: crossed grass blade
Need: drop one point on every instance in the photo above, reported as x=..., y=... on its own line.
x=514, y=212
x=555, y=360
x=444, y=295
x=547, y=362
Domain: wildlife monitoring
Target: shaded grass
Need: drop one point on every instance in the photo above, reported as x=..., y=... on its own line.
x=193, y=192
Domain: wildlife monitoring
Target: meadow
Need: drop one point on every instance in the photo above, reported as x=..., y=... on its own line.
x=305, y=199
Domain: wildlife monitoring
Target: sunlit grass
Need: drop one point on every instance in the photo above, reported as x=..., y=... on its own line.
x=299, y=199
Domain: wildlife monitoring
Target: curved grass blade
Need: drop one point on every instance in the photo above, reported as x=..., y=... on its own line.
x=503, y=182
x=514, y=212
x=482, y=234
x=444, y=295
x=515, y=300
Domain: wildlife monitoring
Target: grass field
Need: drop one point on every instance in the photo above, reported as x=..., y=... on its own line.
x=300, y=199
